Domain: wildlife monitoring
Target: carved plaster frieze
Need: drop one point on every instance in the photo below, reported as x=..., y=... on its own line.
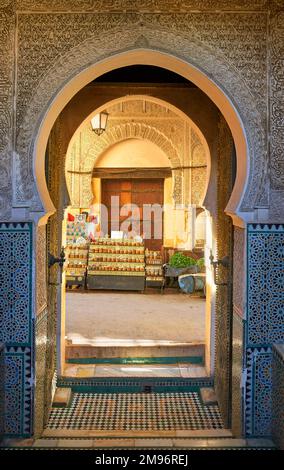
x=41, y=290
x=178, y=187
x=240, y=74
x=277, y=102
x=168, y=6
x=6, y=105
x=92, y=147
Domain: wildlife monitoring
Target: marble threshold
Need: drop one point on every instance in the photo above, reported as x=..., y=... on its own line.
x=127, y=370
x=135, y=434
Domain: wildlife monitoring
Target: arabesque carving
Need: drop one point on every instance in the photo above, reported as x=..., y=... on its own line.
x=167, y=6
x=7, y=26
x=114, y=134
x=70, y=43
x=41, y=284
x=277, y=102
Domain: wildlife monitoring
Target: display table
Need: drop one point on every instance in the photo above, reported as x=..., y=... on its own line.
x=116, y=265
x=76, y=265
x=154, y=269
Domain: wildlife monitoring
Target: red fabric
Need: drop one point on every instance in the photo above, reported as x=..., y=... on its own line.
x=70, y=217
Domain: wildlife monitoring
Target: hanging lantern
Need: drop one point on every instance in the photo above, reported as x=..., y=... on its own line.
x=99, y=122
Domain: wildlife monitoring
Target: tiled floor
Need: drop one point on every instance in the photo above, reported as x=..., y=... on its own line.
x=136, y=411
x=178, y=370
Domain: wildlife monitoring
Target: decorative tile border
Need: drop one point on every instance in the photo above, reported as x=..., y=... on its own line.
x=2, y=390
x=18, y=391
x=278, y=395
x=131, y=385
x=258, y=403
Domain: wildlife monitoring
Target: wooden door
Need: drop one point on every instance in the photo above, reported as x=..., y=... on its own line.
x=146, y=193
x=141, y=192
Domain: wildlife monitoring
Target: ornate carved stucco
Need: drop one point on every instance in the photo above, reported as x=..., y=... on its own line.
x=168, y=6
x=93, y=147
x=143, y=119
x=199, y=169
x=223, y=292
x=127, y=120
x=277, y=115
x=7, y=22
x=229, y=48
x=41, y=287
x=239, y=271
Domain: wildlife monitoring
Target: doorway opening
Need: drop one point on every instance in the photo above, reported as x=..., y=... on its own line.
x=147, y=175
x=140, y=292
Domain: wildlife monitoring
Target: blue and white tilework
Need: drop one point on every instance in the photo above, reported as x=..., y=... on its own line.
x=278, y=395
x=16, y=331
x=265, y=321
x=265, y=297
x=258, y=391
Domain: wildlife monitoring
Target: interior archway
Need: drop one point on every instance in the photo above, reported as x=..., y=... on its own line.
x=164, y=60
x=142, y=130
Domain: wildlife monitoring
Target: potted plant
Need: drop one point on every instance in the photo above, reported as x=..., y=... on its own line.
x=180, y=264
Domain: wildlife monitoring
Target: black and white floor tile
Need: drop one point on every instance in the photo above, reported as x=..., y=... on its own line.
x=136, y=411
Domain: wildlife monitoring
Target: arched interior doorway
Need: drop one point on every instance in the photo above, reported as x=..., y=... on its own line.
x=146, y=141
x=239, y=144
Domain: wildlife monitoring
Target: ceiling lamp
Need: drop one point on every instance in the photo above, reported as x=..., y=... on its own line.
x=99, y=122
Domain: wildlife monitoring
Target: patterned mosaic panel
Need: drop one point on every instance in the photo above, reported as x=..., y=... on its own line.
x=2, y=389
x=258, y=392
x=265, y=301
x=15, y=284
x=278, y=396
x=136, y=411
x=16, y=330
x=18, y=391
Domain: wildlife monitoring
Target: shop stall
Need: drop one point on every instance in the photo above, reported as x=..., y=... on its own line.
x=117, y=264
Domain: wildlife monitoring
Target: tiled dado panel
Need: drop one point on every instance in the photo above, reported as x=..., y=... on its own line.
x=258, y=391
x=265, y=321
x=278, y=395
x=16, y=330
x=2, y=389
x=265, y=296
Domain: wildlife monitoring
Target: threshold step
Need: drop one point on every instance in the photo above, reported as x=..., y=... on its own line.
x=147, y=442
x=137, y=360
x=89, y=370
x=122, y=434
x=143, y=351
x=130, y=385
